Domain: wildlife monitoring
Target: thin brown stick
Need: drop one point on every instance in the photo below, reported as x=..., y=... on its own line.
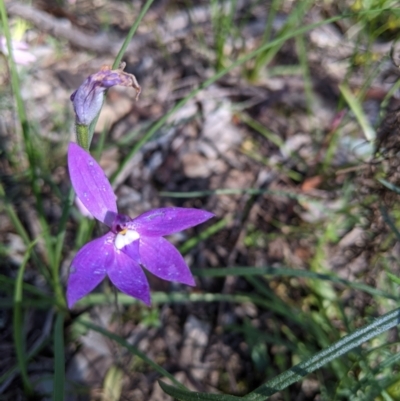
x=63, y=29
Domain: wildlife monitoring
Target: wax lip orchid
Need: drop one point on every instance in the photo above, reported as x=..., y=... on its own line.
x=130, y=243
x=88, y=98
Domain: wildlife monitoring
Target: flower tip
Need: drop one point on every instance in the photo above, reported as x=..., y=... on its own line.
x=72, y=97
x=190, y=281
x=70, y=304
x=208, y=215
x=204, y=215
x=145, y=298
x=71, y=299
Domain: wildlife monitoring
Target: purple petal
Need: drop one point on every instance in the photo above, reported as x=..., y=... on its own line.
x=159, y=222
x=127, y=275
x=91, y=185
x=164, y=261
x=81, y=207
x=88, y=268
x=132, y=250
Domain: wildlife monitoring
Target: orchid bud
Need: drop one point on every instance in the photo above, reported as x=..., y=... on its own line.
x=88, y=98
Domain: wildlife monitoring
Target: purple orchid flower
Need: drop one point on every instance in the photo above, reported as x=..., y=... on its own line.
x=88, y=98
x=130, y=243
x=20, y=51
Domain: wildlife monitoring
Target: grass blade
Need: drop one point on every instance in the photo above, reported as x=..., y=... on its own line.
x=185, y=395
x=356, y=108
x=59, y=359
x=131, y=32
x=192, y=242
x=247, y=271
x=18, y=327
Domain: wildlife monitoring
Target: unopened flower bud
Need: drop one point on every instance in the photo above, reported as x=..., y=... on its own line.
x=88, y=98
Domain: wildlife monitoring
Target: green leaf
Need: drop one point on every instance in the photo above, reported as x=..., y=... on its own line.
x=389, y=185
x=185, y=395
x=356, y=108
x=393, y=278
x=192, y=242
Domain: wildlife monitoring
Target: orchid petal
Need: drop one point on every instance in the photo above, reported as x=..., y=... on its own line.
x=164, y=261
x=88, y=268
x=132, y=250
x=165, y=221
x=91, y=185
x=82, y=208
x=127, y=275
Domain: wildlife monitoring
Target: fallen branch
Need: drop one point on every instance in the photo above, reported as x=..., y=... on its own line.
x=62, y=28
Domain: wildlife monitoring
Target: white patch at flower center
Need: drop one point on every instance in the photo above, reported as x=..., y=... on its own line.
x=125, y=237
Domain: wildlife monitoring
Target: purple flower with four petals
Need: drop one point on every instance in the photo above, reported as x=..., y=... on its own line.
x=130, y=243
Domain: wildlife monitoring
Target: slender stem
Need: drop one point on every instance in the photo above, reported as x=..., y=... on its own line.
x=83, y=137
x=131, y=32
x=59, y=359
x=62, y=226
x=14, y=217
x=18, y=328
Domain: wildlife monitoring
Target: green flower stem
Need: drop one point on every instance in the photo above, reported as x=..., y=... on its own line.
x=83, y=137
